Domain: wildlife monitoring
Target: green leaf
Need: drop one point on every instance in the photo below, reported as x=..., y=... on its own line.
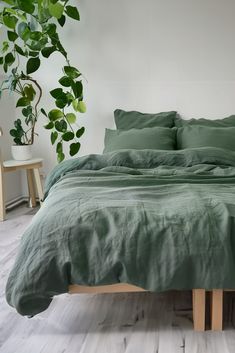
x=60, y=157
x=59, y=147
x=55, y=114
x=61, y=100
x=71, y=71
x=18, y=141
x=74, y=148
x=29, y=92
x=60, y=103
x=27, y=111
x=80, y=132
x=71, y=118
x=36, y=45
x=9, y=10
x=9, y=21
x=36, y=35
x=56, y=93
x=5, y=46
x=77, y=88
x=61, y=125
x=65, y=81
x=68, y=136
x=54, y=136
x=49, y=126
x=19, y=50
x=17, y=123
x=47, y=51
x=1, y=60
x=9, y=59
x=19, y=130
x=51, y=30
x=13, y=132
x=70, y=98
x=5, y=67
x=23, y=102
x=43, y=112
x=32, y=65
x=26, y=6
x=75, y=105
x=81, y=107
x=72, y=12
x=44, y=40
x=56, y=10
x=12, y=36
x=62, y=20
x=23, y=31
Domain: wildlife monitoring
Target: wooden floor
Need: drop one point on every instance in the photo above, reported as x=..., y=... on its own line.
x=106, y=323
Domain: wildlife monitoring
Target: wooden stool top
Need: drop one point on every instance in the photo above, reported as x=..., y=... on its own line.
x=14, y=163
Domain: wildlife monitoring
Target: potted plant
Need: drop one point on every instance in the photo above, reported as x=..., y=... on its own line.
x=31, y=31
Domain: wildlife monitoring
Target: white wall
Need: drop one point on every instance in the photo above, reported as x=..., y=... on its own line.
x=151, y=56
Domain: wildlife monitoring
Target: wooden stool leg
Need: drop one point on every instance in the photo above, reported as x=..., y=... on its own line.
x=199, y=309
x=217, y=310
x=32, y=196
x=38, y=184
x=2, y=198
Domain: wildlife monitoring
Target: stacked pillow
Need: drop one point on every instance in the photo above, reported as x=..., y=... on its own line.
x=203, y=136
x=154, y=138
x=226, y=122
x=195, y=133
x=167, y=131
x=137, y=130
x=129, y=120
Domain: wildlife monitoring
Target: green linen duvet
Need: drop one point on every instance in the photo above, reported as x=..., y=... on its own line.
x=157, y=219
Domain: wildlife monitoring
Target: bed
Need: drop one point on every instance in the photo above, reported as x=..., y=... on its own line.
x=143, y=219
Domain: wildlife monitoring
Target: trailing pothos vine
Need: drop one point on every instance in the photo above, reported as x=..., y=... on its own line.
x=31, y=28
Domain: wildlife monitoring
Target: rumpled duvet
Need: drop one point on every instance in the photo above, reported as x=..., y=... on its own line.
x=160, y=220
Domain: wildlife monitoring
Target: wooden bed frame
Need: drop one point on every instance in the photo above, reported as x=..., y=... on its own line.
x=198, y=301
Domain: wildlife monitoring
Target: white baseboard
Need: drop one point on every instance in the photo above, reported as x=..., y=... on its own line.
x=17, y=201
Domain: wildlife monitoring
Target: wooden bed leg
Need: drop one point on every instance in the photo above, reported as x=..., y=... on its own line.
x=199, y=309
x=217, y=310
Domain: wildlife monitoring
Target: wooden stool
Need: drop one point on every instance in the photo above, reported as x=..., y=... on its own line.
x=32, y=169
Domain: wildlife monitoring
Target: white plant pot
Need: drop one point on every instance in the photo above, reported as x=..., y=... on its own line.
x=21, y=153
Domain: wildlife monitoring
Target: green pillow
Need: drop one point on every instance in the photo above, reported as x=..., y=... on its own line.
x=139, y=139
x=204, y=136
x=226, y=122
x=135, y=120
